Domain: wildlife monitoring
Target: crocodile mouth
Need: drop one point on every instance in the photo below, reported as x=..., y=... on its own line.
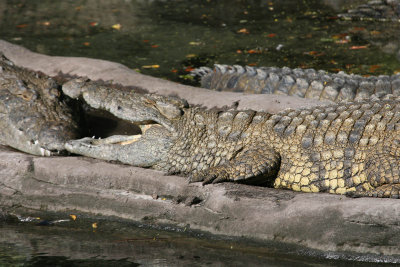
x=143, y=143
x=121, y=139
x=105, y=128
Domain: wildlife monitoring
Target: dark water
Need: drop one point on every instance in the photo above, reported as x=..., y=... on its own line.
x=167, y=39
x=62, y=241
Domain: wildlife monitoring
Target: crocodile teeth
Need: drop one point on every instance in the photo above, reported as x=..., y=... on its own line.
x=45, y=152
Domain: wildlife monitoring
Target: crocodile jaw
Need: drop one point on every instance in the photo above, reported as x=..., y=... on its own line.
x=21, y=142
x=143, y=150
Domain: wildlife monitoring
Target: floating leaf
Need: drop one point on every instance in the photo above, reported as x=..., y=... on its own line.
x=116, y=26
x=373, y=68
x=252, y=64
x=174, y=70
x=314, y=53
x=93, y=24
x=150, y=66
x=358, y=28
x=326, y=40
x=191, y=55
x=189, y=69
x=336, y=70
x=355, y=47
x=46, y=23
x=348, y=66
x=343, y=41
x=186, y=77
x=94, y=225
x=155, y=46
x=73, y=217
x=146, y=41
x=239, y=51
x=244, y=31
x=20, y=26
x=340, y=36
x=254, y=51
x=86, y=43
x=271, y=35
x=194, y=43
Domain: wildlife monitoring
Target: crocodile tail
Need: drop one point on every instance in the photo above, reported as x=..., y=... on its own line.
x=205, y=74
x=386, y=10
x=305, y=83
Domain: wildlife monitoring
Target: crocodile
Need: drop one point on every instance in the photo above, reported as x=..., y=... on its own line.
x=34, y=115
x=343, y=148
x=305, y=83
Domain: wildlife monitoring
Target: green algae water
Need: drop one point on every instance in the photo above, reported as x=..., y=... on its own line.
x=168, y=39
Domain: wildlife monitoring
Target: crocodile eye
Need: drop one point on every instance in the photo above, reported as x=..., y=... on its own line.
x=149, y=102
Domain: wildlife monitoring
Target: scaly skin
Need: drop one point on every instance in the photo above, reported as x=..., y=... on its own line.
x=305, y=83
x=347, y=148
x=34, y=117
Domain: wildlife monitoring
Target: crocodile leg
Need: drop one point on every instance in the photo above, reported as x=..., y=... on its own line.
x=253, y=166
x=382, y=175
x=383, y=191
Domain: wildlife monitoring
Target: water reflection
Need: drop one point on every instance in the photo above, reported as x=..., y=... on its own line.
x=77, y=243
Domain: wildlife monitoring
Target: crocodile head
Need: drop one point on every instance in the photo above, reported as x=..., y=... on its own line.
x=157, y=116
x=33, y=115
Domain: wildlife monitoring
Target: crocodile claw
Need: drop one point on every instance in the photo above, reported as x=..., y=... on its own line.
x=210, y=176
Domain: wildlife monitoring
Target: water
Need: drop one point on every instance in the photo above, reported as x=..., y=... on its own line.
x=58, y=240
x=167, y=39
